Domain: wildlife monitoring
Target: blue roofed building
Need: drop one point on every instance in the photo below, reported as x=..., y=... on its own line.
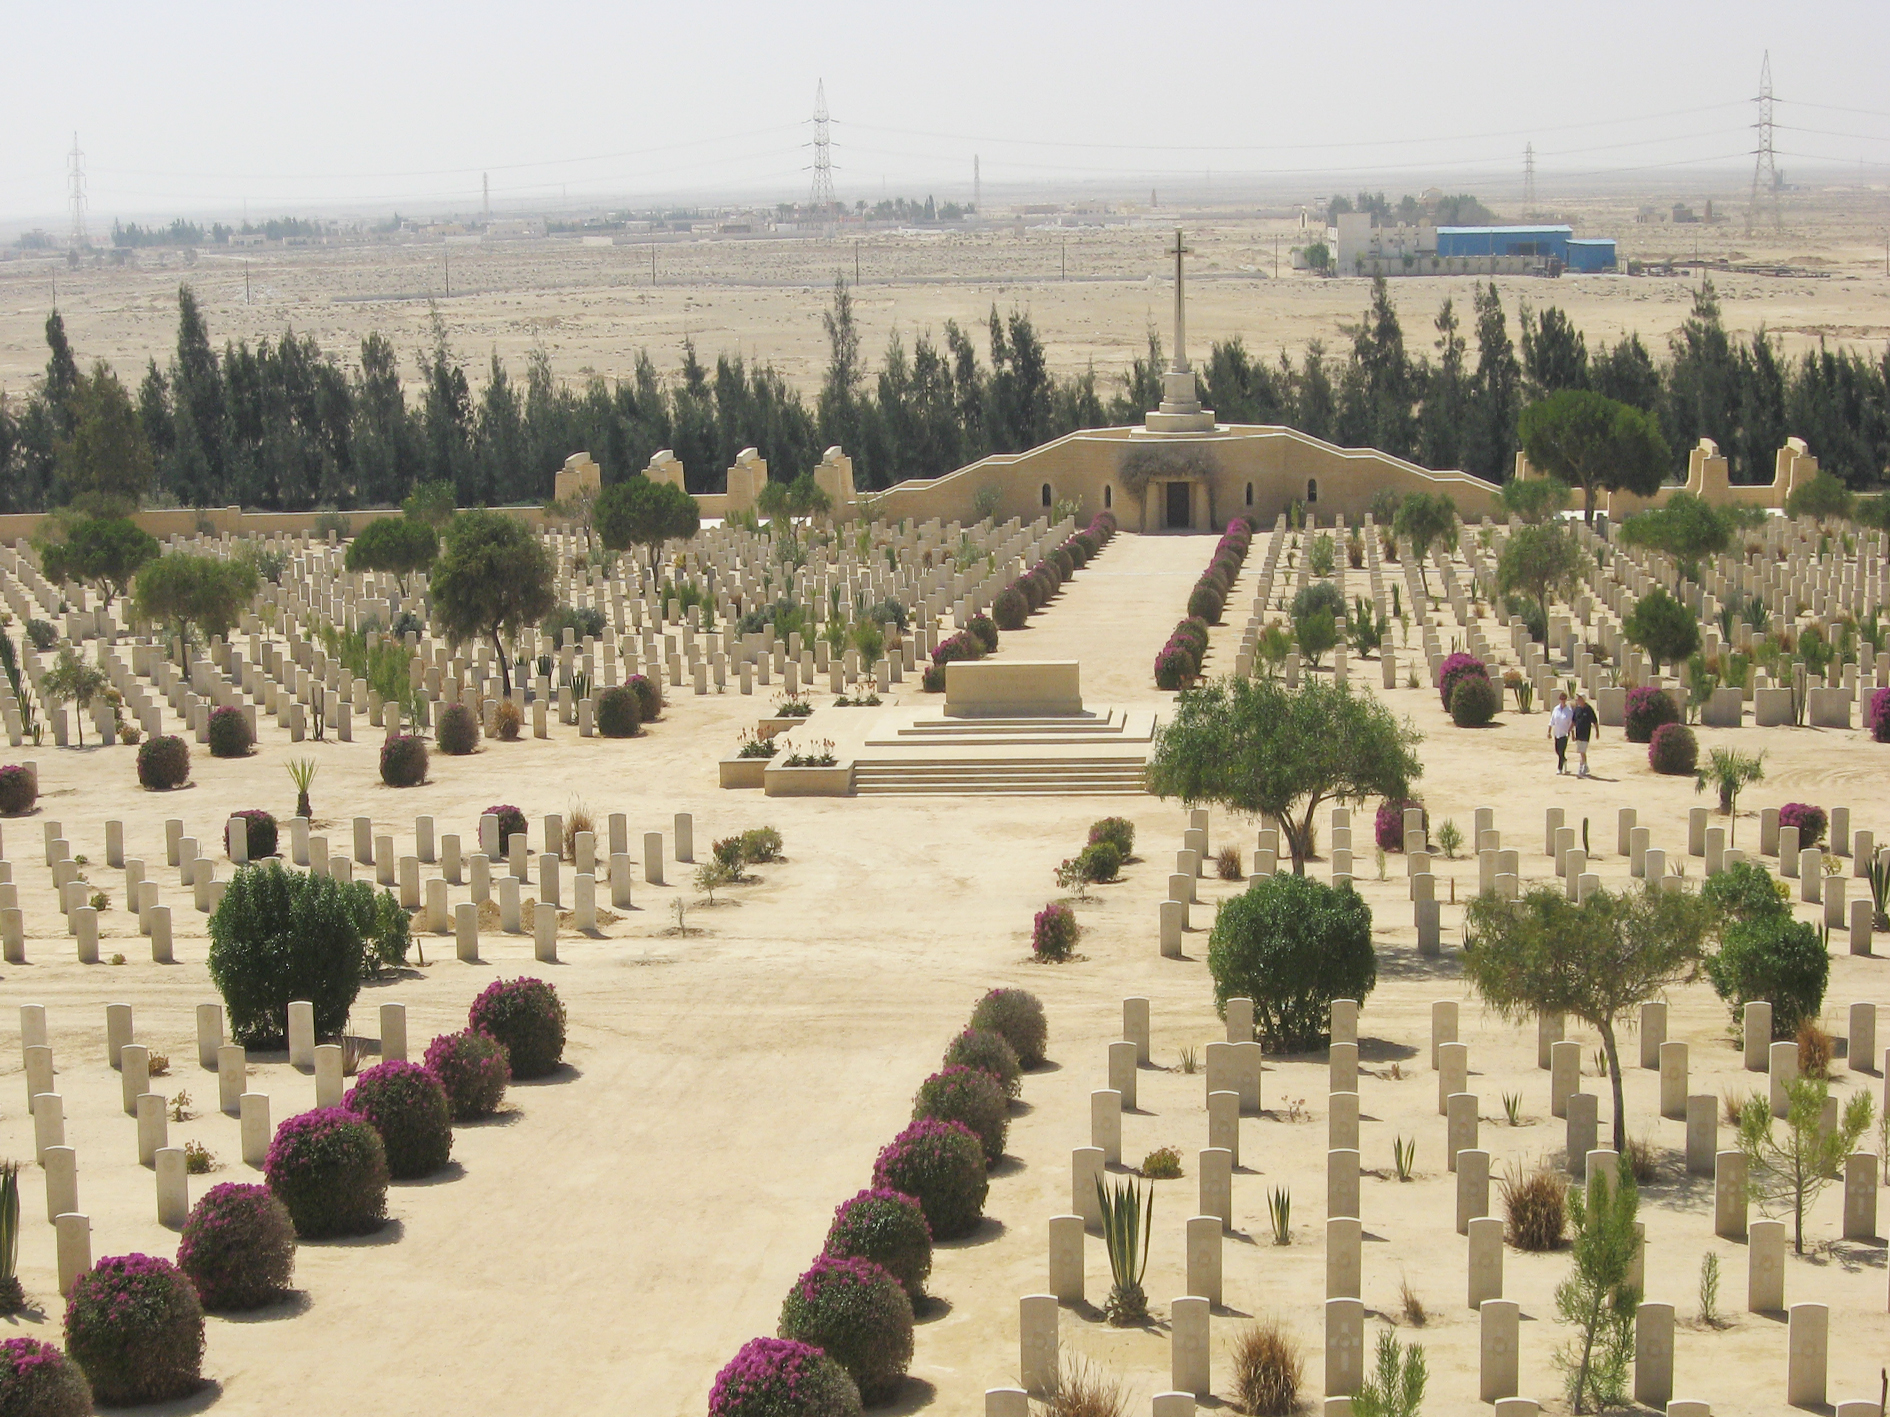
x=1549, y=242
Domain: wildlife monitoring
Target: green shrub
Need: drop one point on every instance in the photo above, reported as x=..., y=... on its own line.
x=238, y=1247
x=386, y=930
x=37, y=1380
x=619, y=713
x=163, y=762
x=1016, y=1016
x=404, y=760
x=1009, y=609
x=1101, y=861
x=984, y=630
x=457, y=733
x=1673, y=751
x=229, y=734
x=18, y=792
x=1292, y=945
x=280, y=935
x=990, y=1051
x=473, y=1070
x=890, y=1230
x=1119, y=832
x=1746, y=891
x=760, y=844
x=42, y=635
x=330, y=1169
x=971, y=1096
x=407, y=1105
x=858, y=1315
x=526, y=1018
x=941, y=1166
x=1474, y=701
x=1775, y=958
x=587, y=621
x=135, y=1326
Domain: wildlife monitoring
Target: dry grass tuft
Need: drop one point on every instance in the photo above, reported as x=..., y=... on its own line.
x=1413, y=1306
x=578, y=819
x=1269, y=1365
x=1085, y=1390
x=1644, y=1160
x=1536, y=1203
x=1815, y=1050
x=1732, y=1104
x=1227, y=863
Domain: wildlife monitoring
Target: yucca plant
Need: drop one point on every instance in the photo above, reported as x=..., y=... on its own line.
x=1128, y=1223
x=1280, y=1212
x=1403, y=1154
x=1512, y=1108
x=12, y=1297
x=1878, y=873
x=302, y=772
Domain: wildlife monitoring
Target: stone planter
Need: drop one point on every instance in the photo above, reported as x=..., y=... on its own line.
x=836, y=781
x=743, y=772
x=766, y=728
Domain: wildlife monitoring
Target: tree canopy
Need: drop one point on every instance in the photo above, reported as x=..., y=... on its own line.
x=1823, y=497
x=1535, y=499
x=1663, y=627
x=1538, y=560
x=639, y=512
x=104, y=461
x=1544, y=954
x=400, y=545
x=1593, y=442
x=185, y=590
x=1685, y=527
x=1424, y=517
x=103, y=551
x=493, y=578
x=1256, y=746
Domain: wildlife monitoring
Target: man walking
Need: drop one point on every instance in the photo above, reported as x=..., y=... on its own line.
x=1585, y=724
x=1561, y=719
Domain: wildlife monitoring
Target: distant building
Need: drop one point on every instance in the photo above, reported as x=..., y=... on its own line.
x=1589, y=254
x=1360, y=248
x=1527, y=241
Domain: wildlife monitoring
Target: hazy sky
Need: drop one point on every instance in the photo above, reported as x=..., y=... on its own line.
x=201, y=107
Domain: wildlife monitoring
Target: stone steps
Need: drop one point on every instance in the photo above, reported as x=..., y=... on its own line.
x=1044, y=777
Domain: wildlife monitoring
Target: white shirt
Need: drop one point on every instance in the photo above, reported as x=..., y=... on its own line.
x=1561, y=720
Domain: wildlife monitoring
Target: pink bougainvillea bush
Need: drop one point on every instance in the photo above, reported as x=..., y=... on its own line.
x=889, y=1229
x=941, y=1166
x=779, y=1377
x=329, y=1168
x=473, y=1070
x=971, y=1096
x=407, y=1105
x=135, y=1327
x=856, y=1313
x=1054, y=932
x=991, y=1051
x=1455, y=667
x=1809, y=820
x=37, y=1380
x=238, y=1247
x=527, y=1018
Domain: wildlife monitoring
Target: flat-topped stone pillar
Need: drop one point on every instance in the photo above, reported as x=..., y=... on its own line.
x=1216, y=1169
x=173, y=1187
x=1037, y=1359
x=1086, y=1171
x=1135, y=1027
x=73, y=1239
x=1499, y=1352
x=232, y=1076
x=1204, y=1257
x=1473, y=1187
x=1188, y=1345
x=1565, y=1075
x=1765, y=1266
x=253, y=1108
x=1673, y=1081
x=1702, y=1133
x=1653, y=1354
x=1860, y=1196
x=1808, y=1346
x=1122, y=1069
x=1066, y=1258
x=1756, y=1024
x=1486, y=1260
x=329, y=1083
x=61, y=1168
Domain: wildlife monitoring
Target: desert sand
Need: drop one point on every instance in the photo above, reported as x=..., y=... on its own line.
x=610, y=1241
x=592, y=309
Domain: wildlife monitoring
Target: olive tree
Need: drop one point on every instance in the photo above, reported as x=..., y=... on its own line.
x=400, y=545
x=184, y=590
x=1538, y=560
x=1257, y=747
x=1597, y=960
x=106, y=552
x=1535, y=499
x=492, y=579
x=1663, y=627
x=639, y=512
x=1422, y=518
x=1685, y=527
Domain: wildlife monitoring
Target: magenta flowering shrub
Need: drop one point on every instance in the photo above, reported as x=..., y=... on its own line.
x=889, y=1229
x=1673, y=750
x=526, y=1017
x=238, y=1247
x=37, y=1380
x=983, y=1048
x=856, y=1313
x=649, y=694
x=259, y=833
x=17, y=792
x=971, y=1096
x=982, y=629
x=511, y=823
x=135, y=1327
x=941, y=1166
x=330, y=1169
x=1015, y=1015
x=1054, y=932
x=1878, y=719
x=407, y=1105
x=1388, y=825
x=960, y=646
x=1455, y=667
x=778, y=1377
x=1647, y=709
x=404, y=760
x=1809, y=820
x=473, y=1069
